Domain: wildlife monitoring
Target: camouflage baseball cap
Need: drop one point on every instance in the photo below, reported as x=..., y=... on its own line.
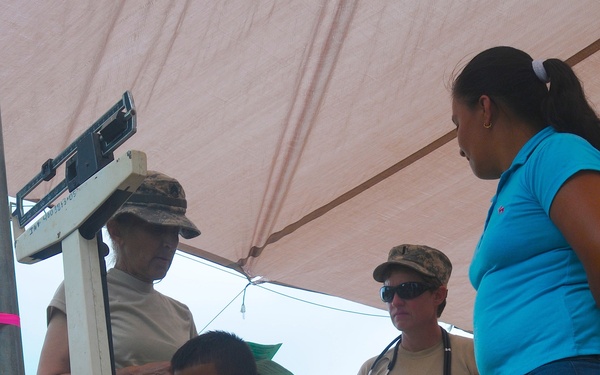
x=423, y=259
x=160, y=200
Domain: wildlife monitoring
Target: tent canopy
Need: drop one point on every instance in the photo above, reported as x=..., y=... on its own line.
x=310, y=136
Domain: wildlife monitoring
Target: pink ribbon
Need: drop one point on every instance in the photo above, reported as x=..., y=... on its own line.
x=10, y=319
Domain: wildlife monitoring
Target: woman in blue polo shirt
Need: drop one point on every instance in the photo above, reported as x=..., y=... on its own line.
x=536, y=268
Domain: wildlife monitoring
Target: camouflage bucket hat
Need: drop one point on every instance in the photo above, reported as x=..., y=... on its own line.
x=160, y=200
x=423, y=259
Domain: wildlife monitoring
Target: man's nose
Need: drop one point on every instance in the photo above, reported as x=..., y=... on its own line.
x=397, y=301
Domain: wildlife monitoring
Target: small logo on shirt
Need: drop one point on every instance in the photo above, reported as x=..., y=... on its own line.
x=501, y=209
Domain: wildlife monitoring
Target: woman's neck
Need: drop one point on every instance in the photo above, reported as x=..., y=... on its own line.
x=424, y=338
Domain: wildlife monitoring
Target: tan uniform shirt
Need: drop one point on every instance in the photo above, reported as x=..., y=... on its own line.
x=147, y=326
x=429, y=361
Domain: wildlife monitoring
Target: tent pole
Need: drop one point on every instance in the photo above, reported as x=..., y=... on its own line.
x=11, y=355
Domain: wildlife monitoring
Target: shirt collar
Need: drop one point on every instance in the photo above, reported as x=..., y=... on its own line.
x=533, y=142
x=131, y=282
x=526, y=152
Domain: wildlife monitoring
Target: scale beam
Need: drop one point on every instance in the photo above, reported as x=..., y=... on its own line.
x=84, y=157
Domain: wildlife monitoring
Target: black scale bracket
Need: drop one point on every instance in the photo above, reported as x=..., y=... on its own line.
x=89, y=153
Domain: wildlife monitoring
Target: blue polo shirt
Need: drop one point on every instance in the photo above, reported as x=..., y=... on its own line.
x=533, y=302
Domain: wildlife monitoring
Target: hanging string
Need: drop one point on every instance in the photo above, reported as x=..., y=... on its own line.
x=220, y=312
x=243, y=309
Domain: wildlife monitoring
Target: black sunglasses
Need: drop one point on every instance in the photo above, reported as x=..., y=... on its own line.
x=408, y=290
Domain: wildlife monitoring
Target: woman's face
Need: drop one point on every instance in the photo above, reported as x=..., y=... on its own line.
x=145, y=250
x=412, y=314
x=474, y=140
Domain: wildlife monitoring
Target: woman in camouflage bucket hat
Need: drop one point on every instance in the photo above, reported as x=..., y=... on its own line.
x=147, y=326
x=160, y=200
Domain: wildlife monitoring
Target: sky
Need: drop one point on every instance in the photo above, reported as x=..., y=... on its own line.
x=319, y=334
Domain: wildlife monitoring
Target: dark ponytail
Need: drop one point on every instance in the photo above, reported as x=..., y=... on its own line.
x=566, y=106
x=506, y=75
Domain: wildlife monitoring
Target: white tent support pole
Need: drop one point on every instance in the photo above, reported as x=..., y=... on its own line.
x=11, y=355
x=88, y=336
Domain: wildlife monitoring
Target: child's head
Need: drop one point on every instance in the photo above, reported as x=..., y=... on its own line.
x=214, y=353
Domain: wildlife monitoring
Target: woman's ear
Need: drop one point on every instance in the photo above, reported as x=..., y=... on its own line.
x=440, y=294
x=486, y=104
x=114, y=231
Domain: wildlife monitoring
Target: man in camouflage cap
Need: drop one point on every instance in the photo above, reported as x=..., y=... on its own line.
x=426, y=260
x=421, y=258
x=415, y=280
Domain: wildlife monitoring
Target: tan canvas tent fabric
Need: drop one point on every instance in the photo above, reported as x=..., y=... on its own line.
x=311, y=136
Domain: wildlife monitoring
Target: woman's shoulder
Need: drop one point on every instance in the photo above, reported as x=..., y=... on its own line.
x=463, y=341
x=560, y=148
x=173, y=301
x=565, y=141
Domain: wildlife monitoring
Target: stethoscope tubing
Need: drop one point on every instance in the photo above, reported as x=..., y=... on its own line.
x=398, y=340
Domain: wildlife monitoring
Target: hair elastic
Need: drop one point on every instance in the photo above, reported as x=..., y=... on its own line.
x=540, y=71
x=10, y=319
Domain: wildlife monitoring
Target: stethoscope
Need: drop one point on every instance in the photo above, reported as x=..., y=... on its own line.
x=447, y=353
